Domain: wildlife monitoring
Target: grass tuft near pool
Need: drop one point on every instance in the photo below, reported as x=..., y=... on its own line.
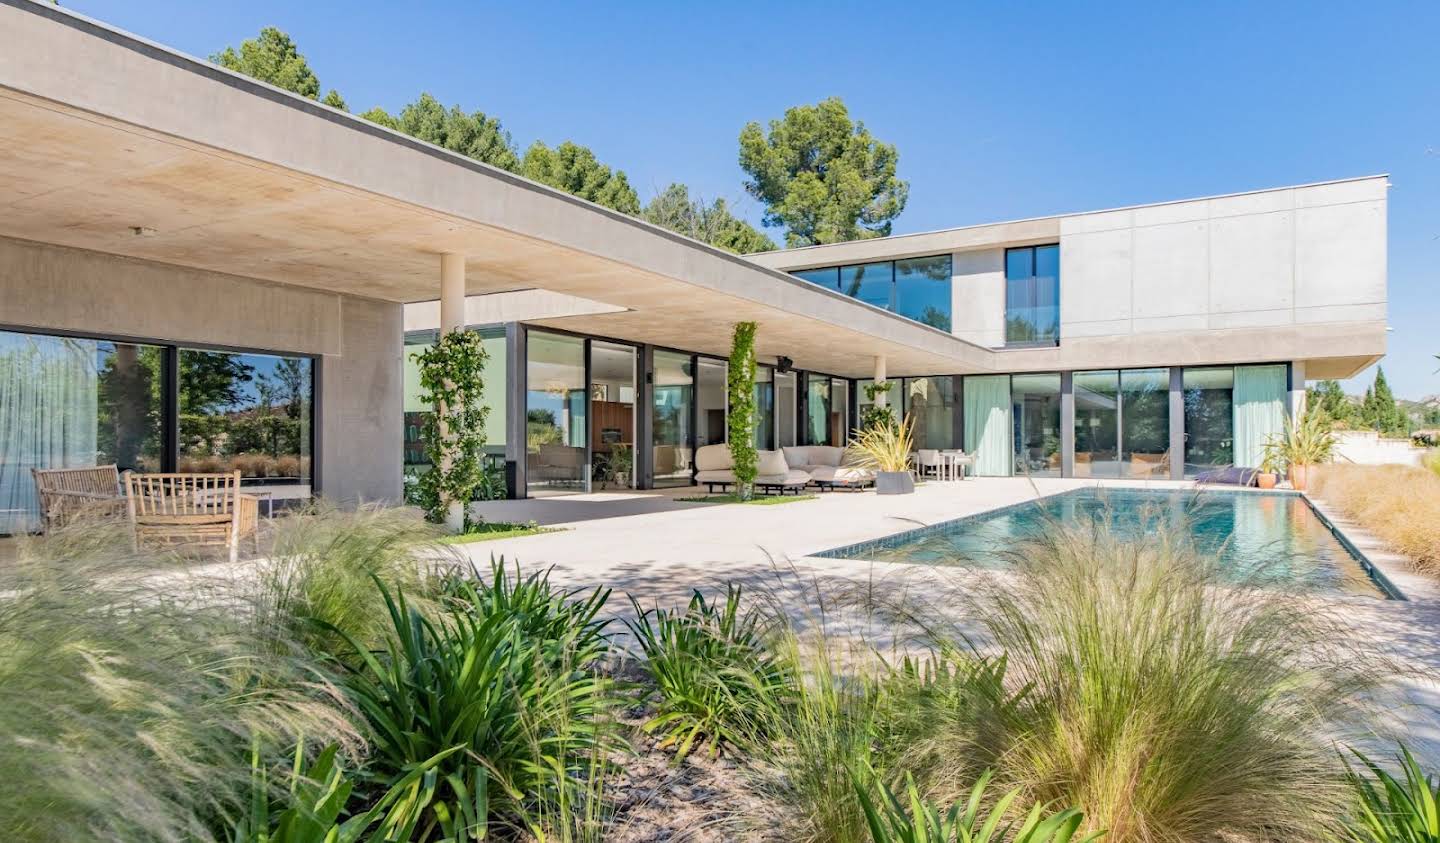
x=1271, y=539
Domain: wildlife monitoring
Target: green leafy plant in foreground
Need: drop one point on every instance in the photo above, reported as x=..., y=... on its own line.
x=1395, y=810
x=712, y=670
x=916, y=820
x=505, y=674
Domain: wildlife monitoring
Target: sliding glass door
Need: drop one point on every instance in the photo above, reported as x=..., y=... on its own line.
x=1145, y=423
x=785, y=409
x=817, y=410
x=1097, y=424
x=670, y=410
x=612, y=413
x=764, y=408
x=556, y=415
x=1035, y=416
x=710, y=401
x=1209, y=419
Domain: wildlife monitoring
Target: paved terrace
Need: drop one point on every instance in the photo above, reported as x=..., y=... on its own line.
x=657, y=549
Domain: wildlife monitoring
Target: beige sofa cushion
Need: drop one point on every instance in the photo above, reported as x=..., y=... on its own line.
x=717, y=475
x=826, y=455
x=713, y=458
x=796, y=455
x=771, y=464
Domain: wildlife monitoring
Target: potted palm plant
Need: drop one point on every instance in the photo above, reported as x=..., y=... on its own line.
x=1271, y=463
x=885, y=449
x=1305, y=443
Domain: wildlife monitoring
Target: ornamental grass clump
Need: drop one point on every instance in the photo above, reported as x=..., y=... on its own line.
x=1163, y=704
x=1398, y=503
x=134, y=690
x=883, y=447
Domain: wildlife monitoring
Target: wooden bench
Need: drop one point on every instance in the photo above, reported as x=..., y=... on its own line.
x=68, y=495
x=191, y=510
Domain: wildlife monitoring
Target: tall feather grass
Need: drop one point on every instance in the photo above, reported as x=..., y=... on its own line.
x=1398, y=503
x=132, y=690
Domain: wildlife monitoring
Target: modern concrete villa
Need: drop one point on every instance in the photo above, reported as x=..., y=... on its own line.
x=182, y=244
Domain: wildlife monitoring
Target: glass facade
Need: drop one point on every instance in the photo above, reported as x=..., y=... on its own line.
x=916, y=288
x=1097, y=424
x=417, y=411
x=764, y=408
x=785, y=401
x=670, y=411
x=250, y=412
x=930, y=404
x=556, y=415
x=1035, y=419
x=1209, y=419
x=817, y=410
x=839, y=411
x=711, y=401
x=1145, y=423
x=1032, y=295
x=73, y=402
x=612, y=413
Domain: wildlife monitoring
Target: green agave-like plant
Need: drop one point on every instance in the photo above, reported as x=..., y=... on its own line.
x=712, y=670
x=500, y=676
x=315, y=802
x=1395, y=810
x=916, y=820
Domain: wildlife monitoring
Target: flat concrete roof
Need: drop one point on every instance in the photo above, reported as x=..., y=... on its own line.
x=221, y=172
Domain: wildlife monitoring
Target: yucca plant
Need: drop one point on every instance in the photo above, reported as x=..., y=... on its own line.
x=917, y=820
x=542, y=611
x=527, y=712
x=712, y=671
x=1395, y=810
x=883, y=447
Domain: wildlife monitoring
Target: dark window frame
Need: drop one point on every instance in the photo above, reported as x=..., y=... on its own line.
x=1033, y=279
x=836, y=272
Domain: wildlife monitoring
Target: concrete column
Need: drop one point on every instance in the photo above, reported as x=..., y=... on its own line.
x=1067, y=424
x=1177, y=423
x=452, y=318
x=1297, y=389
x=881, y=399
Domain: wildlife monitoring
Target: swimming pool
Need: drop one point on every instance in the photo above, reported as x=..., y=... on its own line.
x=1273, y=537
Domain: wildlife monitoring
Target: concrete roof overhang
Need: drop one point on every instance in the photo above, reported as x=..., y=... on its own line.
x=102, y=133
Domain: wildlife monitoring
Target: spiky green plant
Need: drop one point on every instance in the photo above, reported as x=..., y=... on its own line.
x=916, y=820
x=883, y=447
x=712, y=670
x=529, y=711
x=1395, y=810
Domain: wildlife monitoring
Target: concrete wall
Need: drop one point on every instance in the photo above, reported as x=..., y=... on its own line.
x=1367, y=448
x=55, y=288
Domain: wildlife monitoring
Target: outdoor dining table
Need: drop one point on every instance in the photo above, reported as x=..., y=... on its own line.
x=952, y=464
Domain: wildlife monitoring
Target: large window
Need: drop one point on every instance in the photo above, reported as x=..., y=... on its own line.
x=785, y=398
x=1145, y=423
x=930, y=404
x=70, y=403
x=612, y=412
x=249, y=412
x=764, y=408
x=556, y=409
x=672, y=402
x=416, y=411
x=1035, y=417
x=916, y=288
x=1032, y=295
x=817, y=410
x=1097, y=424
x=1209, y=419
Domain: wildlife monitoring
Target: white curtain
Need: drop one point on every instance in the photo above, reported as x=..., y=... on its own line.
x=48, y=416
x=987, y=424
x=1259, y=411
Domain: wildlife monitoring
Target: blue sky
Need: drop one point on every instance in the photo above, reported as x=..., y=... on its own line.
x=999, y=111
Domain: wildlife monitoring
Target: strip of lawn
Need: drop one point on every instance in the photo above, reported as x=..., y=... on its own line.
x=499, y=530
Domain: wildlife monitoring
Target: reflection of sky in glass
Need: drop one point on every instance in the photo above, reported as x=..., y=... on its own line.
x=1274, y=539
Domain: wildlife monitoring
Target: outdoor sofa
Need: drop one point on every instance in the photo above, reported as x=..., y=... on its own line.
x=775, y=471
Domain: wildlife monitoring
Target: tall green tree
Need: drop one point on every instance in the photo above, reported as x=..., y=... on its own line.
x=673, y=208
x=1379, y=410
x=822, y=176
x=474, y=135
x=575, y=169
x=1331, y=400
x=273, y=57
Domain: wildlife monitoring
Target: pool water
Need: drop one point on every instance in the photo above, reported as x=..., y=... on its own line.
x=1258, y=537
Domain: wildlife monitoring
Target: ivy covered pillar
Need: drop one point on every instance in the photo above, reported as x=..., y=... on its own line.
x=452, y=318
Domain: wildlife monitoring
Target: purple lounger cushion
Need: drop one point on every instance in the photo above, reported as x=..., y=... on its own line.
x=1229, y=476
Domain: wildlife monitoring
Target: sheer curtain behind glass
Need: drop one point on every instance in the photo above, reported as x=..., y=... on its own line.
x=49, y=405
x=1259, y=411
x=987, y=424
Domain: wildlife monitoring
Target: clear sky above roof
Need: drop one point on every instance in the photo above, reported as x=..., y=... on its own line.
x=999, y=111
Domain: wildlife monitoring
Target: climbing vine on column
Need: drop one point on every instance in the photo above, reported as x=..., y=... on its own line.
x=452, y=382
x=741, y=420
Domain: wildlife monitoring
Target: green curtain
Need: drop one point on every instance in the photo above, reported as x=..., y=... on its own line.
x=987, y=424
x=1259, y=410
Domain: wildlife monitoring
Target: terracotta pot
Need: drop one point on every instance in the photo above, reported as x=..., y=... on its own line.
x=1299, y=476
x=1266, y=481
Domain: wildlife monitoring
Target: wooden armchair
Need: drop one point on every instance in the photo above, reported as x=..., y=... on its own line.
x=191, y=510
x=68, y=495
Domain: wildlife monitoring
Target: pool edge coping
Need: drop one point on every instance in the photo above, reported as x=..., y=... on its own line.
x=1381, y=576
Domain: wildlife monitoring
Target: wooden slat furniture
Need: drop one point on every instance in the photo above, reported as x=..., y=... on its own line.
x=191, y=510
x=68, y=495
